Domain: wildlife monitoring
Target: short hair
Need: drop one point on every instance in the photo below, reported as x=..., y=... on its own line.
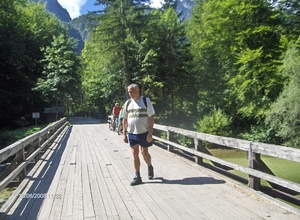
x=134, y=85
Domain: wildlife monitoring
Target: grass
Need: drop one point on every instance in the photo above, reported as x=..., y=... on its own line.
x=5, y=194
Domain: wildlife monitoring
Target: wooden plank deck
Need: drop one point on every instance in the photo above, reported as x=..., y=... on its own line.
x=86, y=175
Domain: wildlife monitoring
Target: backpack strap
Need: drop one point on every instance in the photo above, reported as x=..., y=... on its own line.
x=145, y=101
x=127, y=104
x=129, y=101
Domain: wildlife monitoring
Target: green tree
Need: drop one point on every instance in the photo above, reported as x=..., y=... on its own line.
x=15, y=62
x=61, y=71
x=111, y=55
x=24, y=28
x=165, y=71
x=236, y=48
x=284, y=114
x=212, y=30
x=258, y=82
x=290, y=17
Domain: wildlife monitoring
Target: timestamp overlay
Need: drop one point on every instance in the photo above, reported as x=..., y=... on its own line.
x=40, y=196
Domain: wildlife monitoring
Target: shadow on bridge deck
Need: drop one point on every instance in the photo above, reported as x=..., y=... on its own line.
x=188, y=181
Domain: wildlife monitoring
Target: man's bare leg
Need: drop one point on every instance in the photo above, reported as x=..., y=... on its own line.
x=136, y=158
x=147, y=158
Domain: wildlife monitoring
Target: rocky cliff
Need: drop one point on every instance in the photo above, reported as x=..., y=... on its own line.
x=62, y=14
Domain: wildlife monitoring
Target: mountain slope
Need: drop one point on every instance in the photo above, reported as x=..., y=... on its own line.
x=185, y=7
x=54, y=7
x=62, y=14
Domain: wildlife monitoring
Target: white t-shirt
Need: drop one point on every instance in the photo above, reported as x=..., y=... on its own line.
x=137, y=115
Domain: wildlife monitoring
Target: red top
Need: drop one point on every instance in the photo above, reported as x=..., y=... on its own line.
x=116, y=110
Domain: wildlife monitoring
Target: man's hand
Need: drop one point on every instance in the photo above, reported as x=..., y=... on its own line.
x=125, y=139
x=149, y=138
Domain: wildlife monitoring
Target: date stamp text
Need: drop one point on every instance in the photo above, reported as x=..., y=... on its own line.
x=40, y=196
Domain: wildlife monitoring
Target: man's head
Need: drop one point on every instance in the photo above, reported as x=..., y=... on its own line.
x=133, y=91
x=117, y=104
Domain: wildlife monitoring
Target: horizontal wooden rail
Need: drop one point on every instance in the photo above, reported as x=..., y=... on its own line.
x=27, y=150
x=261, y=148
x=253, y=149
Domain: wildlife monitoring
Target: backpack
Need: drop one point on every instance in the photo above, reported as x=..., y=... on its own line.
x=129, y=100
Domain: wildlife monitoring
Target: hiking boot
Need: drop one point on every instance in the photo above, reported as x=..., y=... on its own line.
x=150, y=172
x=136, y=181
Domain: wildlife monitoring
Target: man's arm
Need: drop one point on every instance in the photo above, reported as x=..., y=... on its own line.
x=125, y=130
x=150, y=132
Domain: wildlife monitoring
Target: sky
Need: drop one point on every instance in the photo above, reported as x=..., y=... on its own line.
x=81, y=7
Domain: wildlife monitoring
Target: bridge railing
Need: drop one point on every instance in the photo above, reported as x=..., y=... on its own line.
x=256, y=169
x=24, y=153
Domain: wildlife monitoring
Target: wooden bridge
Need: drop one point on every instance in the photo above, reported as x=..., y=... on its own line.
x=85, y=174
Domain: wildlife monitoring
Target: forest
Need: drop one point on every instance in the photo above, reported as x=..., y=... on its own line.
x=231, y=69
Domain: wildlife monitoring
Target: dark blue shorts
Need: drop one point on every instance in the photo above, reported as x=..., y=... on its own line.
x=140, y=139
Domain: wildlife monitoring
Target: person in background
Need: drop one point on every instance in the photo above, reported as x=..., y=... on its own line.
x=115, y=113
x=138, y=121
x=121, y=118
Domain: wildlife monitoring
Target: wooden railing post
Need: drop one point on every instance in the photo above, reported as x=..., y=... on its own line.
x=169, y=135
x=254, y=182
x=22, y=157
x=38, y=156
x=198, y=145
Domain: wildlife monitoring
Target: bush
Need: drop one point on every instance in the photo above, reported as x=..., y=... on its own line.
x=217, y=123
x=9, y=137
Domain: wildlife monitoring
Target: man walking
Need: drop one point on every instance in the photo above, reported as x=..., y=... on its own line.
x=138, y=121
